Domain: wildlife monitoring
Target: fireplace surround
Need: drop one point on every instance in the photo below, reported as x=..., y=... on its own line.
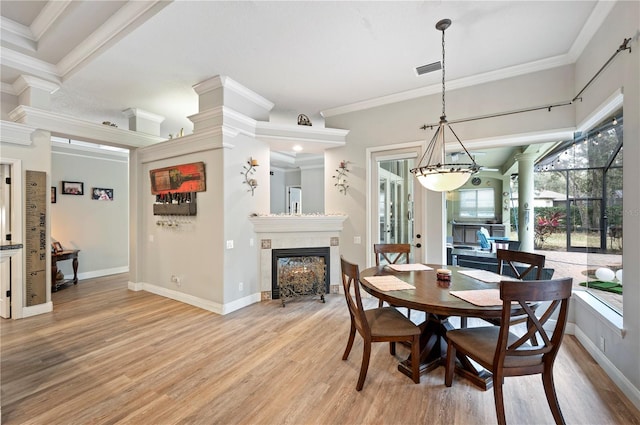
x=276, y=232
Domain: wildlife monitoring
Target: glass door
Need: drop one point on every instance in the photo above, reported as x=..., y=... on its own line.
x=394, y=197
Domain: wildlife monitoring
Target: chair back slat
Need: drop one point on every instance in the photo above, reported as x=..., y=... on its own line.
x=557, y=292
x=351, y=286
x=392, y=253
x=520, y=258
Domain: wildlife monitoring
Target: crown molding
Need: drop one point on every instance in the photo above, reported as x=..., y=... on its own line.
x=193, y=143
x=24, y=82
x=126, y=19
x=17, y=34
x=593, y=24
x=47, y=17
x=283, y=136
x=219, y=81
x=14, y=133
x=141, y=113
x=75, y=128
x=7, y=88
x=27, y=64
x=459, y=83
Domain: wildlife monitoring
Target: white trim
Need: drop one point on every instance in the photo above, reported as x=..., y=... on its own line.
x=595, y=20
x=604, y=313
x=104, y=272
x=219, y=81
x=208, y=305
x=297, y=224
x=117, y=26
x=602, y=111
x=521, y=139
x=17, y=29
x=460, y=83
x=28, y=64
x=34, y=310
x=24, y=82
x=47, y=17
x=17, y=134
x=177, y=296
x=193, y=143
x=60, y=124
x=141, y=113
x=626, y=386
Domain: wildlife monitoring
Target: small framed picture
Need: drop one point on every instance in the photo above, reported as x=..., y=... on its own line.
x=56, y=247
x=72, y=188
x=102, y=194
x=53, y=194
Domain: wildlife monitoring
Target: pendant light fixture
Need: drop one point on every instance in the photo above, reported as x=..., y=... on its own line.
x=436, y=174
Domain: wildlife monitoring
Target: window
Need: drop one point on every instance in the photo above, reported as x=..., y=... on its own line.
x=477, y=203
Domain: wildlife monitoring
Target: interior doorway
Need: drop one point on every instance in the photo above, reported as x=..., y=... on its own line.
x=395, y=212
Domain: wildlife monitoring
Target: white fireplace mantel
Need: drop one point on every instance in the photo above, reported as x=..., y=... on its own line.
x=297, y=223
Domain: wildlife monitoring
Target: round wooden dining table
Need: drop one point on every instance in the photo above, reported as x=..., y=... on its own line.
x=433, y=297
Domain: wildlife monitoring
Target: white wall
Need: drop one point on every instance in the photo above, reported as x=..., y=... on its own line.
x=399, y=123
x=312, y=183
x=99, y=229
x=277, y=192
x=621, y=353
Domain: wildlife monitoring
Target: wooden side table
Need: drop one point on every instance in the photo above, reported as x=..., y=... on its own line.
x=67, y=254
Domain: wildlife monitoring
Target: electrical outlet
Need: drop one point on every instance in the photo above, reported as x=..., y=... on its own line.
x=240, y=286
x=230, y=244
x=357, y=240
x=602, y=346
x=176, y=279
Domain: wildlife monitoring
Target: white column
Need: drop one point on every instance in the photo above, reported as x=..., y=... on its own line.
x=526, y=218
x=34, y=92
x=143, y=121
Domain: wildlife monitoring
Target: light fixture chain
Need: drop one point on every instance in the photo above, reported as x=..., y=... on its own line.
x=443, y=112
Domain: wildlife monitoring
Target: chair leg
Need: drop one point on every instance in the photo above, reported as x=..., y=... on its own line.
x=392, y=348
x=463, y=322
x=352, y=335
x=415, y=359
x=552, y=399
x=450, y=365
x=366, y=354
x=408, y=313
x=380, y=302
x=498, y=380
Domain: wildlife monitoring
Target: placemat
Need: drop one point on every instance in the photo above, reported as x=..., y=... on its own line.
x=480, y=297
x=388, y=283
x=408, y=267
x=485, y=275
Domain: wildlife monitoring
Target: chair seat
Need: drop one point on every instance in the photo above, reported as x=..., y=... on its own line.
x=385, y=321
x=483, y=341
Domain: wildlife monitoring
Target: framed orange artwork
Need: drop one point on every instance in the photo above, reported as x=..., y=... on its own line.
x=178, y=179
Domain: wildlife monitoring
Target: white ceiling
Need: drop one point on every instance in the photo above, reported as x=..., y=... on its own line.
x=304, y=56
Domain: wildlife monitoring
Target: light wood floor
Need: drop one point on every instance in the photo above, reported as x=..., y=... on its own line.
x=107, y=355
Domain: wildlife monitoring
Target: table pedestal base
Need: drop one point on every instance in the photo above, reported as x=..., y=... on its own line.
x=433, y=353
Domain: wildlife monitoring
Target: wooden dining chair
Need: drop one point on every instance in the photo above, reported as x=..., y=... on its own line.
x=382, y=324
x=505, y=353
x=392, y=253
x=524, y=266
x=520, y=264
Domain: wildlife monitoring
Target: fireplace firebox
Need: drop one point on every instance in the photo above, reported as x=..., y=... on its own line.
x=300, y=271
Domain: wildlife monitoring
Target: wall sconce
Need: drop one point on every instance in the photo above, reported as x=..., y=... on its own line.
x=249, y=169
x=341, y=177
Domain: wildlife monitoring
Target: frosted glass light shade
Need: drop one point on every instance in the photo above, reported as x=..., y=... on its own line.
x=443, y=180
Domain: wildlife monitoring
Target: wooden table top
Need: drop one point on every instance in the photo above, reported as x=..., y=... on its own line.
x=431, y=295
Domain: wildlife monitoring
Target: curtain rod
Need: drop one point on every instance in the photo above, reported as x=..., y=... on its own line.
x=624, y=46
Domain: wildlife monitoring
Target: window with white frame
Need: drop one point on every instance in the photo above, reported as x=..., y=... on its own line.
x=476, y=203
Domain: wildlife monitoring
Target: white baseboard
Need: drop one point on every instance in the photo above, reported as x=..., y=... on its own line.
x=100, y=273
x=632, y=393
x=34, y=310
x=195, y=301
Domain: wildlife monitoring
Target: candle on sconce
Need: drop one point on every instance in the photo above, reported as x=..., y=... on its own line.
x=254, y=162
